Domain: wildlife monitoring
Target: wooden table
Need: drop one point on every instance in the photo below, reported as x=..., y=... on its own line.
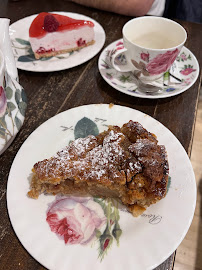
x=51, y=93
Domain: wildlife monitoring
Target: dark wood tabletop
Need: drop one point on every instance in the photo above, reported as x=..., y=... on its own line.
x=53, y=92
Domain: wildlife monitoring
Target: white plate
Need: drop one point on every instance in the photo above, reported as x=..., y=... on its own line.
x=145, y=242
x=186, y=62
x=19, y=33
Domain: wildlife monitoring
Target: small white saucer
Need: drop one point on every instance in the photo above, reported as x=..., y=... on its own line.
x=25, y=60
x=186, y=62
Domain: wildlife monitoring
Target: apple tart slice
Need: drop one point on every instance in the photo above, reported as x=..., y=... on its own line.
x=124, y=163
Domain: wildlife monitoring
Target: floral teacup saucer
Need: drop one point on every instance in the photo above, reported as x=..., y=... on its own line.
x=181, y=76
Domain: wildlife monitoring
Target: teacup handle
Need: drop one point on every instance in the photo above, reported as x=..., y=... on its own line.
x=122, y=67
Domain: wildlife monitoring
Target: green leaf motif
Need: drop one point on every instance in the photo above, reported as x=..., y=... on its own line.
x=3, y=122
x=45, y=58
x=102, y=204
x=17, y=96
x=11, y=106
x=117, y=232
x=9, y=92
x=24, y=96
x=97, y=233
x=18, y=123
x=22, y=107
x=70, y=142
x=169, y=183
x=4, y=82
x=166, y=76
x=22, y=41
x=30, y=51
x=85, y=127
x=27, y=58
x=2, y=133
x=124, y=78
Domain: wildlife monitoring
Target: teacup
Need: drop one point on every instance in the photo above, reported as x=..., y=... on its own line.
x=151, y=45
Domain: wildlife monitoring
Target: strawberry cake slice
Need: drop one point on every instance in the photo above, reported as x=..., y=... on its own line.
x=51, y=34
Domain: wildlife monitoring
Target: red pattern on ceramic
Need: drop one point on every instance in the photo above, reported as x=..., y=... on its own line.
x=145, y=57
x=3, y=101
x=187, y=71
x=75, y=219
x=119, y=43
x=161, y=62
x=65, y=23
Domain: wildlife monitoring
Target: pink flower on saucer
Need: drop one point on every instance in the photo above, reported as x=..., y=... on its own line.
x=3, y=101
x=119, y=43
x=120, y=48
x=75, y=219
x=145, y=57
x=161, y=62
x=187, y=70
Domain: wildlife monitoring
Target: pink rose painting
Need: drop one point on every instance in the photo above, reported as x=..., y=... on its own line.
x=145, y=57
x=3, y=102
x=81, y=220
x=120, y=43
x=161, y=62
x=188, y=69
x=75, y=219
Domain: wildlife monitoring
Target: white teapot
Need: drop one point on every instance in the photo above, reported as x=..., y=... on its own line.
x=12, y=96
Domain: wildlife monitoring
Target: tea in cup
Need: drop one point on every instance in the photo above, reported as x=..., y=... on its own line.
x=151, y=45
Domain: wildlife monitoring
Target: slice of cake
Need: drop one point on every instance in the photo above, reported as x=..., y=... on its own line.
x=124, y=163
x=51, y=34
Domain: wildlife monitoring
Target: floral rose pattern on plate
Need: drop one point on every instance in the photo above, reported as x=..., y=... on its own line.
x=125, y=83
x=75, y=219
x=83, y=220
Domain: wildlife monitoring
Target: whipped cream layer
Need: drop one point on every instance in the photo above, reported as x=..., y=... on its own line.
x=63, y=40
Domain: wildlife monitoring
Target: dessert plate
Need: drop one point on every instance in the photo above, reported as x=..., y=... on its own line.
x=25, y=60
x=187, y=69
x=112, y=235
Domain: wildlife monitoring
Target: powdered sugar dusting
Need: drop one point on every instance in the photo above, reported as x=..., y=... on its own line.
x=56, y=166
x=142, y=146
x=85, y=159
x=135, y=166
x=100, y=161
x=112, y=161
